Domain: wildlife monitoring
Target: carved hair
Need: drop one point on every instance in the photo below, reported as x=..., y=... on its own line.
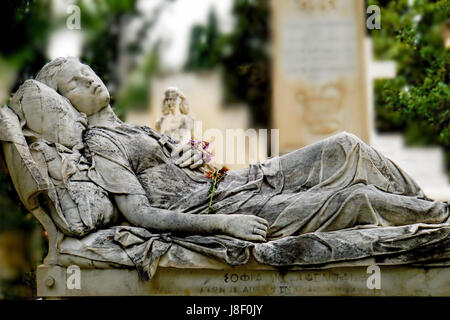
x=47, y=74
x=184, y=106
x=165, y=107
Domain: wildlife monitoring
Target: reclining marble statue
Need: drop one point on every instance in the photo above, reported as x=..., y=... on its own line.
x=130, y=192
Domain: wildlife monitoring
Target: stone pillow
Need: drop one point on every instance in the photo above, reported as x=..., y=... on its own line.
x=44, y=113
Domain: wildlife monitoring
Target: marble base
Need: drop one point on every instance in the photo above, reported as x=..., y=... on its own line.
x=55, y=281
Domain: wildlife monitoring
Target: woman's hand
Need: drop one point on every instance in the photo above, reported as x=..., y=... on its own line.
x=191, y=156
x=246, y=227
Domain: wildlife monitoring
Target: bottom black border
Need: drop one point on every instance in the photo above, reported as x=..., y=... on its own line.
x=272, y=307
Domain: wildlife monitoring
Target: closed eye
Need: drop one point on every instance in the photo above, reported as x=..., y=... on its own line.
x=72, y=83
x=79, y=81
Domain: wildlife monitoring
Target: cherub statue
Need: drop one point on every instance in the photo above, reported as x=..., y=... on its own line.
x=176, y=121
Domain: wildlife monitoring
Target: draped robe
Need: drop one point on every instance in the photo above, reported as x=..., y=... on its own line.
x=334, y=184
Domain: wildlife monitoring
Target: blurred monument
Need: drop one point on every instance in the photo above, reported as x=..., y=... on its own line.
x=318, y=79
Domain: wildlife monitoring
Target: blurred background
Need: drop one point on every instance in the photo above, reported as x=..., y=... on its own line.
x=307, y=68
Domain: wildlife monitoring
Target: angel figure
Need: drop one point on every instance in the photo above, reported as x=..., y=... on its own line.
x=176, y=121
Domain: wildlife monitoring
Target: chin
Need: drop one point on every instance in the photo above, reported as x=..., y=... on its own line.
x=98, y=103
x=104, y=98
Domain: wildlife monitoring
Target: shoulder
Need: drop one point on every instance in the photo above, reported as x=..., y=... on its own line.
x=162, y=119
x=101, y=140
x=189, y=118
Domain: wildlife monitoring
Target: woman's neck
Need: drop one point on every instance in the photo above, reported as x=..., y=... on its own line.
x=104, y=118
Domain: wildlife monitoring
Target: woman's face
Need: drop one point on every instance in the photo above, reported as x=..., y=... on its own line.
x=172, y=101
x=85, y=90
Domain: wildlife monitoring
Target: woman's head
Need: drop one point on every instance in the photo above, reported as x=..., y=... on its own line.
x=171, y=96
x=77, y=82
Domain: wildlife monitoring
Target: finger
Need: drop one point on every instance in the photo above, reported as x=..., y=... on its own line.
x=256, y=237
x=261, y=227
x=187, y=146
x=262, y=220
x=260, y=232
x=192, y=160
x=186, y=155
x=177, y=150
x=196, y=157
x=197, y=164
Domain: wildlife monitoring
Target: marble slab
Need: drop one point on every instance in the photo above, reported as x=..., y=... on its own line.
x=55, y=281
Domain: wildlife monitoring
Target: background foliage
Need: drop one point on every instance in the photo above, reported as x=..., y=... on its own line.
x=25, y=29
x=243, y=56
x=417, y=100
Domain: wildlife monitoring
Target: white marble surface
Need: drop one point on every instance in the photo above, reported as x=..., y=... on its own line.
x=350, y=281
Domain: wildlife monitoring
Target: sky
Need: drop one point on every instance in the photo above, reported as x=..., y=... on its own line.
x=173, y=27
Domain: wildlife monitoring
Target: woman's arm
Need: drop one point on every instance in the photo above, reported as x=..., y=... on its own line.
x=137, y=210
